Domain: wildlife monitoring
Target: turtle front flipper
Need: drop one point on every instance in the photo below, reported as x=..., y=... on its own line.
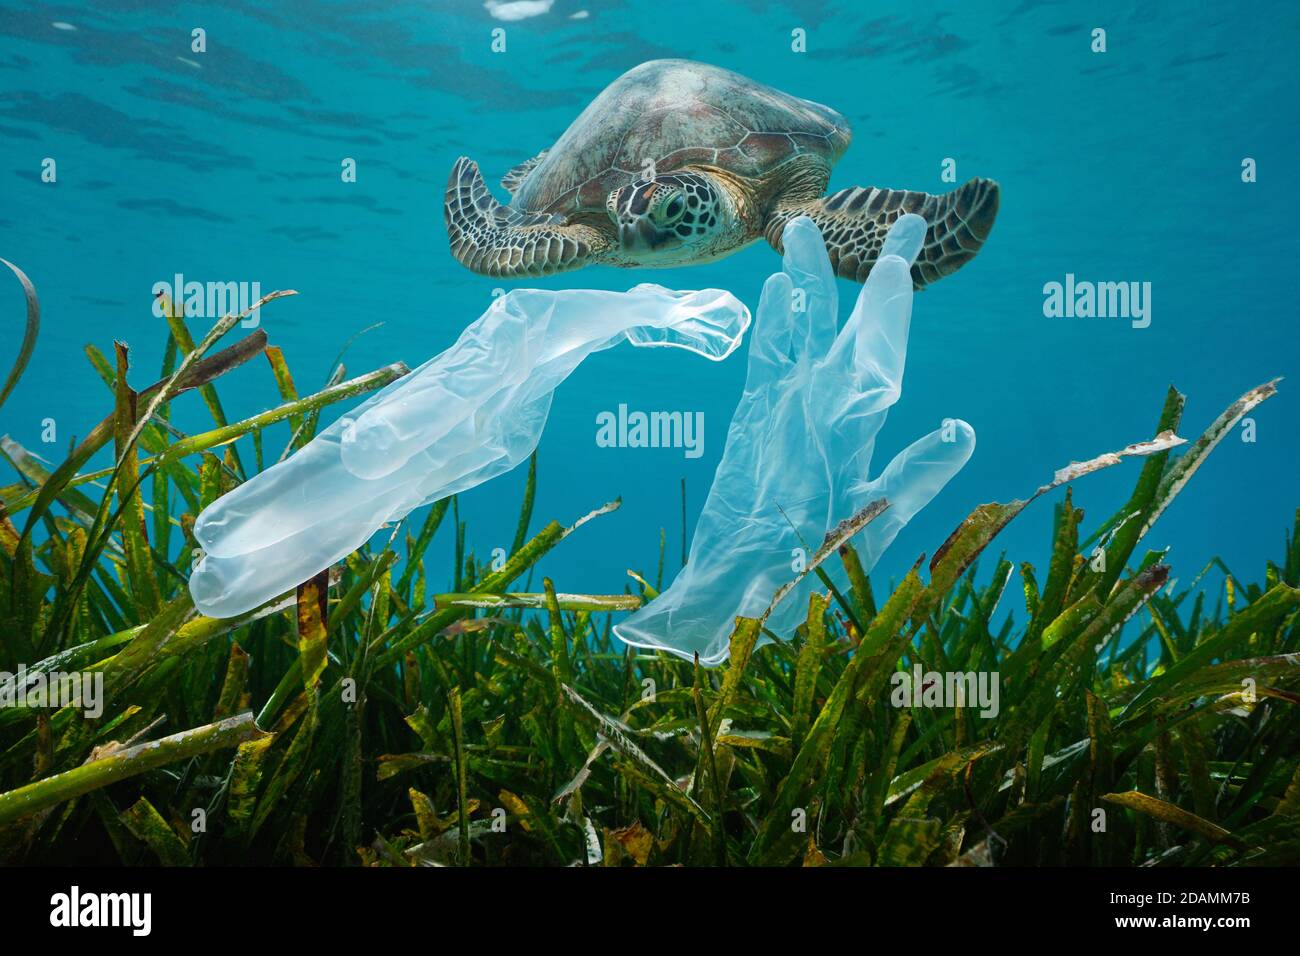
x=853, y=223
x=495, y=240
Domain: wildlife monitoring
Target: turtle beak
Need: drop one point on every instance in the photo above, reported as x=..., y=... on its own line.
x=639, y=235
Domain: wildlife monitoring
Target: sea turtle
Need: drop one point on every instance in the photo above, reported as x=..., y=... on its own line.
x=677, y=162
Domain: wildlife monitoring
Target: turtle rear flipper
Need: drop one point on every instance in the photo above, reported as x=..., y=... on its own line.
x=853, y=222
x=511, y=180
x=495, y=240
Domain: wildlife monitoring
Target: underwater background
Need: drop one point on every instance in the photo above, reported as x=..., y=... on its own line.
x=1117, y=166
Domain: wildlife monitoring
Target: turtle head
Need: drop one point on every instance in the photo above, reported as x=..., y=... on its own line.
x=668, y=219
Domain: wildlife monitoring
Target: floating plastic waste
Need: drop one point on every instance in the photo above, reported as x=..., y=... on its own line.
x=470, y=414
x=799, y=449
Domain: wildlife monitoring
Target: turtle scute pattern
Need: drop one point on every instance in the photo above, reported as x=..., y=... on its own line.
x=679, y=114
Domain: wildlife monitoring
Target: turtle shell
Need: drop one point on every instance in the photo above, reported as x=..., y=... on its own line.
x=676, y=113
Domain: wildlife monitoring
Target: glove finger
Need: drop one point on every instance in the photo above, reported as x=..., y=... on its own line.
x=815, y=298
x=873, y=343
x=769, y=344
x=911, y=481
x=905, y=238
x=881, y=322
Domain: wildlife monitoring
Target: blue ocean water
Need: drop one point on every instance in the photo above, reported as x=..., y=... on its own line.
x=1123, y=165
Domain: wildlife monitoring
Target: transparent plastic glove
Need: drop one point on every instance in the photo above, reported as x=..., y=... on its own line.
x=472, y=413
x=801, y=443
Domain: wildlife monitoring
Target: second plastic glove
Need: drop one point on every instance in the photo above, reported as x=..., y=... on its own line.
x=800, y=446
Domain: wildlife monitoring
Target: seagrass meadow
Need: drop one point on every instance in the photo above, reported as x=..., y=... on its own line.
x=363, y=720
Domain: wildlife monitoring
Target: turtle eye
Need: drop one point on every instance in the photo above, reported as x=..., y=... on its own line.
x=671, y=209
